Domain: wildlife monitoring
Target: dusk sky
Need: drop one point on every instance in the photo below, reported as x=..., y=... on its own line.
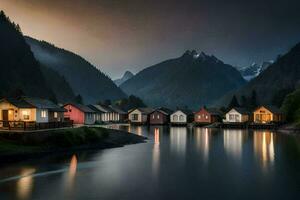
x=119, y=35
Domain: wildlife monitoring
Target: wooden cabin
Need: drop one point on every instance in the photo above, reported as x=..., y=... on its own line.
x=139, y=115
x=27, y=109
x=79, y=114
x=110, y=113
x=267, y=114
x=160, y=116
x=181, y=117
x=208, y=116
x=237, y=115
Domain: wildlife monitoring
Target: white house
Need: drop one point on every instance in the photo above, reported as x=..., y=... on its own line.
x=139, y=115
x=237, y=115
x=181, y=117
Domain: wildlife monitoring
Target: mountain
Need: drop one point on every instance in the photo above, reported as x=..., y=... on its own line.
x=58, y=84
x=254, y=70
x=127, y=75
x=275, y=82
x=191, y=80
x=83, y=77
x=20, y=71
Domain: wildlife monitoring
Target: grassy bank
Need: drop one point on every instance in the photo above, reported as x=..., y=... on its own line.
x=22, y=145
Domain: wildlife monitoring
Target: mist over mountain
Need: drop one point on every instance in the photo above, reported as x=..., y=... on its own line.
x=19, y=69
x=191, y=80
x=272, y=84
x=126, y=76
x=83, y=77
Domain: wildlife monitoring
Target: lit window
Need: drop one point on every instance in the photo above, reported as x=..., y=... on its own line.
x=55, y=115
x=206, y=117
x=157, y=116
x=43, y=113
x=152, y=116
x=199, y=116
x=25, y=114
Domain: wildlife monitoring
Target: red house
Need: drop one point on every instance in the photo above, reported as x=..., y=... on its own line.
x=80, y=114
x=160, y=116
x=207, y=116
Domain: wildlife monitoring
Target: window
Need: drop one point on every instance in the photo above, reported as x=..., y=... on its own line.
x=175, y=117
x=25, y=114
x=43, y=113
x=206, y=116
x=135, y=117
x=157, y=116
x=181, y=117
x=55, y=115
x=152, y=116
x=231, y=117
x=199, y=116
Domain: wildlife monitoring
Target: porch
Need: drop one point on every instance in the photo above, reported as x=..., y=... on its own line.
x=32, y=125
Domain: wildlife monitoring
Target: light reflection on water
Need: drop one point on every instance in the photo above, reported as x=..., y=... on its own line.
x=172, y=158
x=264, y=147
x=25, y=184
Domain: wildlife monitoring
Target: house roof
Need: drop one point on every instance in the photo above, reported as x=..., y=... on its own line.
x=143, y=110
x=185, y=111
x=240, y=110
x=271, y=108
x=163, y=110
x=32, y=102
x=44, y=104
x=95, y=108
x=18, y=102
x=117, y=109
x=81, y=107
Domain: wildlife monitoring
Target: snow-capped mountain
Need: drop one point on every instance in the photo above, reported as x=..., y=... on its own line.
x=254, y=70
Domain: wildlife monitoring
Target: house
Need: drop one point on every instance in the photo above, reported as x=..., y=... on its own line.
x=139, y=115
x=110, y=113
x=17, y=111
x=122, y=116
x=208, y=116
x=79, y=114
x=267, y=114
x=181, y=117
x=98, y=113
x=237, y=115
x=160, y=116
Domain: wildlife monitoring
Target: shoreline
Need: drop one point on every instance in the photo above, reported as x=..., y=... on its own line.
x=110, y=138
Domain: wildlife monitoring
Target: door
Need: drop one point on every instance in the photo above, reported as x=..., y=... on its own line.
x=5, y=118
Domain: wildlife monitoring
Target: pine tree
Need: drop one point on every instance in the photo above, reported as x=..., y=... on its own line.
x=233, y=103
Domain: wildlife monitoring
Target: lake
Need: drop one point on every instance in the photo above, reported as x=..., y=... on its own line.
x=175, y=163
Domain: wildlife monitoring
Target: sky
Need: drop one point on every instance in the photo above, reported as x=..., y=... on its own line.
x=120, y=35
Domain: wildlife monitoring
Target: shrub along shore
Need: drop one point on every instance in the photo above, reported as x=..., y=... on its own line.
x=16, y=146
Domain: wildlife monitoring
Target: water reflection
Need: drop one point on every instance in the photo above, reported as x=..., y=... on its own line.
x=233, y=143
x=25, y=184
x=156, y=151
x=202, y=141
x=70, y=176
x=178, y=137
x=264, y=147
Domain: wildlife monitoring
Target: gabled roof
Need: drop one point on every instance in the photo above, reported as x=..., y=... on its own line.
x=143, y=110
x=81, y=107
x=95, y=108
x=272, y=109
x=240, y=110
x=185, y=111
x=117, y=109
x=44, y=104
x=18, y=102
x=163, y=110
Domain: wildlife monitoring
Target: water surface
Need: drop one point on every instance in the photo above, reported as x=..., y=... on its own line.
x=175, y=163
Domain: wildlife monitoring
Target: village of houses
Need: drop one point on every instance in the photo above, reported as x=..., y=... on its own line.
x=27, y=113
